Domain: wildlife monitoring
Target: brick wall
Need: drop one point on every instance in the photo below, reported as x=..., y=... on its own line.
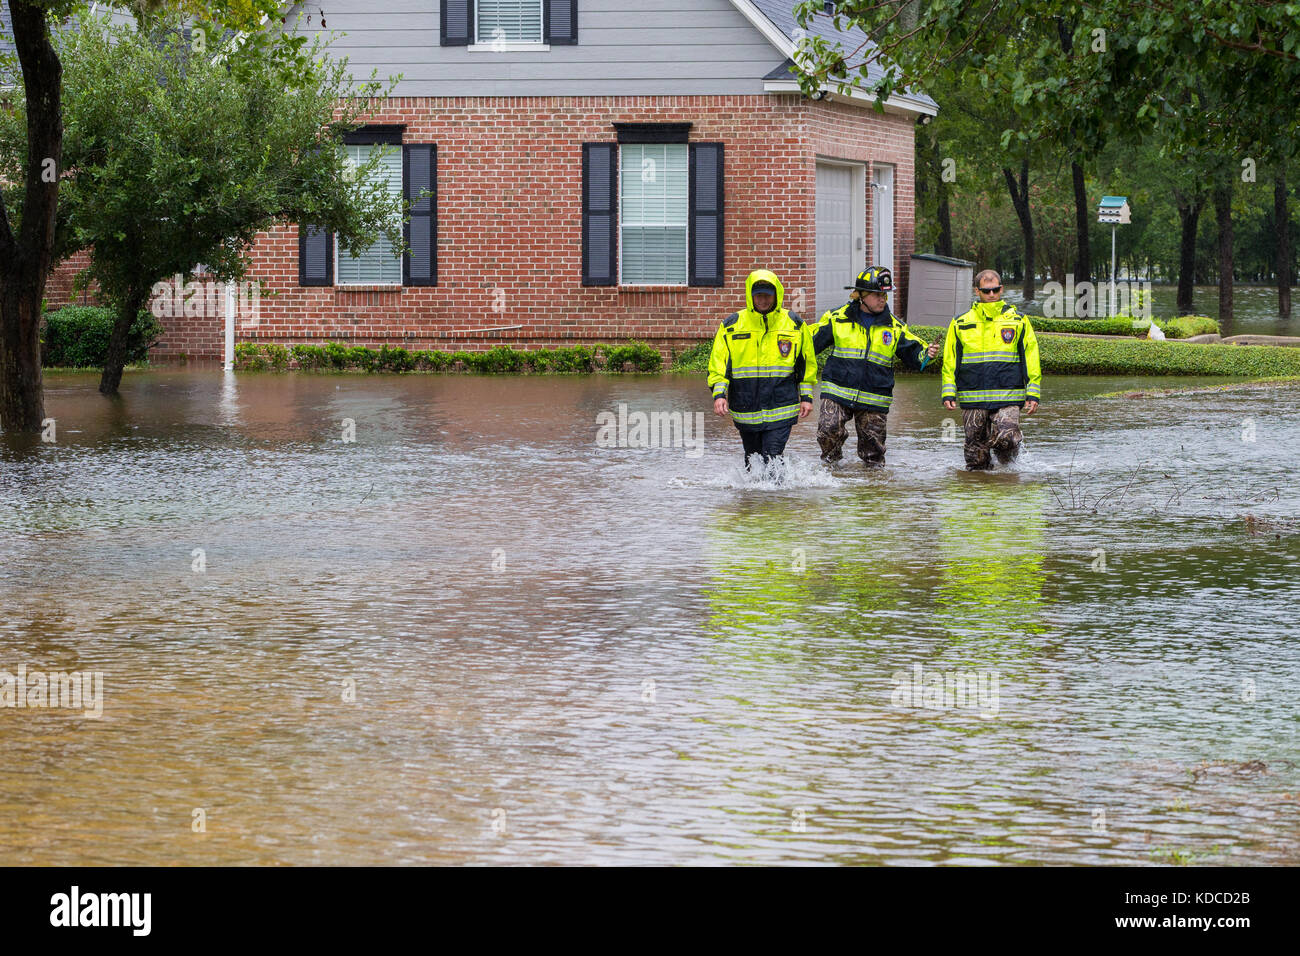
x=509, y=218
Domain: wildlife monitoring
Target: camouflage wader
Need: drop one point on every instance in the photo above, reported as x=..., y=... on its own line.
x=832, y=430
x=997, y=431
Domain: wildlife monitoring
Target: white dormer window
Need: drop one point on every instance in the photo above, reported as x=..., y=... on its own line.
x=509, y=25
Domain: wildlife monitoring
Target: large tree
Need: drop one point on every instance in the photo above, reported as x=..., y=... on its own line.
x=29, y=208
x=181, y=149
x=27, y=228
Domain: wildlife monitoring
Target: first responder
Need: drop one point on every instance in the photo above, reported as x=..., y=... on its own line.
x=990, y=368
x=858, y=381
x=763, y=369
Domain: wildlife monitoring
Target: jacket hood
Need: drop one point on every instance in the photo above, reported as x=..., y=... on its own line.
x=763, y=275
x=991, y=310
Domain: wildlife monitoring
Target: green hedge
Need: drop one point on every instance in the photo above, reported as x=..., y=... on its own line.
x=335, y=356
x=76, y=336
x=1068, y=356
x=1118, y=325
x=1183, y=327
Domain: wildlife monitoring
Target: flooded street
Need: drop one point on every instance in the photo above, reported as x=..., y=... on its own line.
x=474, y=635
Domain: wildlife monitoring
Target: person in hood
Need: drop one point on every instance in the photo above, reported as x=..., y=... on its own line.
x=991, y=369
x=858, y=381
x=762, y=368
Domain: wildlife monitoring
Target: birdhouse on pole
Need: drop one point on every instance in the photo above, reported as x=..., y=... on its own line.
x=1114, y=209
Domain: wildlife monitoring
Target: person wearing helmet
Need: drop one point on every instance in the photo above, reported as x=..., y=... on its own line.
x=762, y=368
x=858, y=381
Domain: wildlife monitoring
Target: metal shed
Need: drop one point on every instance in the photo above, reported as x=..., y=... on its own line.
x=938, y=289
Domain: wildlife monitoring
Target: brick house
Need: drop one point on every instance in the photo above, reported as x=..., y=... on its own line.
x=600, y=170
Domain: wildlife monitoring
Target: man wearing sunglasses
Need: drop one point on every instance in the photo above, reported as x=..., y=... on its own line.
x=991, y=369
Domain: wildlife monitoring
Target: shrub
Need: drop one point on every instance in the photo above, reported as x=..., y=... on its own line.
x=337, y=354
x=1114, y=325
x=1185, y=326
x=310, y=356
x=76, y=336
x=498, y=360
x=694, y=359
x=577, y=358
x=431, y=360
x=394, y=360
x=1069, y=356
x=643, y=357
x=277, y=355
x=358, y=356
x=249, y=357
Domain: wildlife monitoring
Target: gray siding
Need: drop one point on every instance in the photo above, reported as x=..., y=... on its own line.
x=625, y=47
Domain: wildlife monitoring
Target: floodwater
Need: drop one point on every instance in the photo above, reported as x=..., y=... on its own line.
x=1254, y=307
x=475, y=635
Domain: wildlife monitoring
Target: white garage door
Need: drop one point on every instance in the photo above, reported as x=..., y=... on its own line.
x=836, y=262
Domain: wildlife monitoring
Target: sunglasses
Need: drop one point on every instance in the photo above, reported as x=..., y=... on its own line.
x=992, y=288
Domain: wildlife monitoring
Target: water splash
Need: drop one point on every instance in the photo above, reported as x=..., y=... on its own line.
x=789, y=472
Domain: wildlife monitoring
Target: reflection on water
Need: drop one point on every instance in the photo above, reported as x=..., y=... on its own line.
x=473, y=635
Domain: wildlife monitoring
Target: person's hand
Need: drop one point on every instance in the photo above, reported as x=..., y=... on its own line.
x=805, y=409
x=720, y=406
x=950, y=403
x=933, y=350
x=1031, y=406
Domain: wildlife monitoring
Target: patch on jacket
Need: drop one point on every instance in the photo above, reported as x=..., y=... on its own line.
x=741, y=335
x=886, y=336
x=785, y=345
x=1008, y=335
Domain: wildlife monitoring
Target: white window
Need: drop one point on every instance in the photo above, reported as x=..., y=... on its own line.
x=509, y=21
x=652, y=214
x=380, y=263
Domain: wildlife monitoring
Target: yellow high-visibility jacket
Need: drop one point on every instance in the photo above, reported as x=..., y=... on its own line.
x=990, y=358
x=764, y=365
x=860, y=371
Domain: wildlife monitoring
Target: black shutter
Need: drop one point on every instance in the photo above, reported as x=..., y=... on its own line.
x=315, y=256
x=420, y=174
x=456, y=23
x=560, y=21
x=599, y=194
x=706, y=214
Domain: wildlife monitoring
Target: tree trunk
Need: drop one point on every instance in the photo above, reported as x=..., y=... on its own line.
x=115, y=357
x=1282, y=223
x=1189, y=215
x=25, y=259
x=22, y=406
x=1223, y=216
x=1020, y=199
x=944, y=245
x=1082, y=220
